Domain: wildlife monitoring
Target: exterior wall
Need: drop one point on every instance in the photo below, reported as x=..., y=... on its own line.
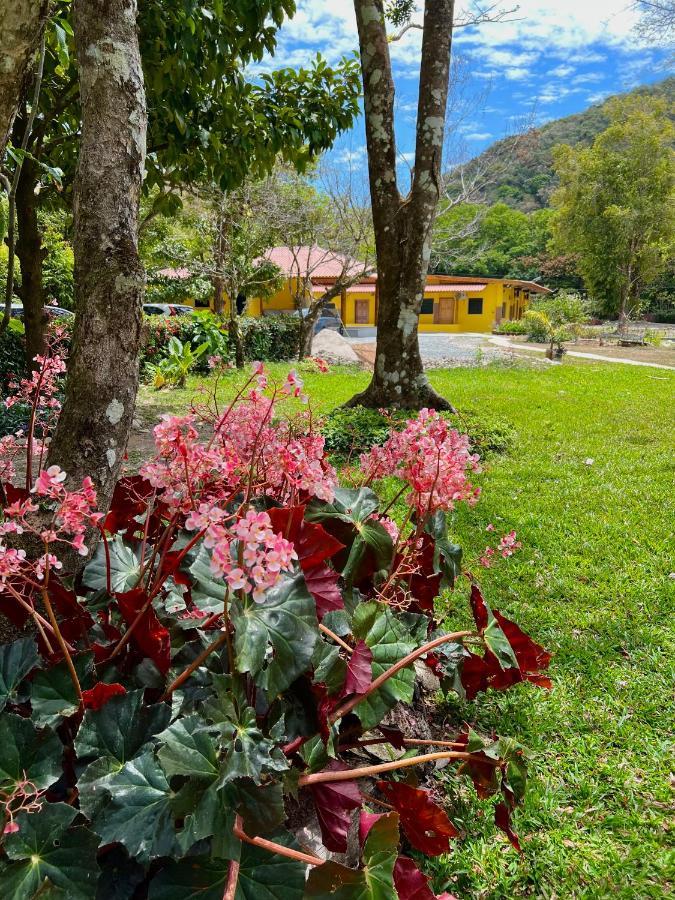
x=496, y=296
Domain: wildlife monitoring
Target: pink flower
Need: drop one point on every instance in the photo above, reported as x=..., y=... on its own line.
x=214, y=361
x=508, y=544
x=490, y=527
x=321, y=364
x=258, y=368
x=49, y=482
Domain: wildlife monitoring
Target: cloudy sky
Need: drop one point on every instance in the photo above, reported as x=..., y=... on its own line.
x=551, y=60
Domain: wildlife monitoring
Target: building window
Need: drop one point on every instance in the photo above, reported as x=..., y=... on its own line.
x=427, y=306
x=476, y=306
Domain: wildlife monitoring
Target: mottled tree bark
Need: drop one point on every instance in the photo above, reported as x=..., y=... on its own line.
x=102, y=381
x=21, y=26
x=403, y=225
x=31, y=254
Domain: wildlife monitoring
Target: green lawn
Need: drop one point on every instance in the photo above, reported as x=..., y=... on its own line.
x=592, y=584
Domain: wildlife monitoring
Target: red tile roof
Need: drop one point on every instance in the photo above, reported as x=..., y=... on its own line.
x=313, y=261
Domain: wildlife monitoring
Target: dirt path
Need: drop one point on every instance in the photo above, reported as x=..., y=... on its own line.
x=653, y=357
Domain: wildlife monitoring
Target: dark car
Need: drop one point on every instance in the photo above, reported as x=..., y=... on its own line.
x=53, y=312
x=167, y=309
x=329, y=317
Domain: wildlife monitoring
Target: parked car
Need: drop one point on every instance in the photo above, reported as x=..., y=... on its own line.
x=329, y=317
x=167, y=309
x=53, y=312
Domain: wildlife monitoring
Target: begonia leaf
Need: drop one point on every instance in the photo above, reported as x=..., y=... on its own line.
x=447, y=558
x=27, y=753
x=98, y=696
x=334, y=802
x=503, y=822
x=424, y=822
x=411, y=884
x=125, y=566
x=310, y=540
x=139, y=812
x=208, y=591
x=16, y=661
x=121, y=728
x=359, y=670
x=385, y=636
x=212, y=816
x=322, y=583
x=260, y=806
x=375, y=881
x=275, y=639
x=149, y=635
x=53, y=693
x=329, y=666
x=47, y=851
x=188, y=748
x=262, y=876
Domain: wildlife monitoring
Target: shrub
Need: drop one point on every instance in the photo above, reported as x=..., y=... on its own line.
x=176, y=364
x=272, y=338
x=12, y=355
x=350, y=432
x=239, y=637
x=518, y=326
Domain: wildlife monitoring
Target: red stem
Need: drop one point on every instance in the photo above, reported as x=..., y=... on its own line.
x=232, y=879
x=369, y=771
x=275, y=848
x=185, y=674
x=401, y=664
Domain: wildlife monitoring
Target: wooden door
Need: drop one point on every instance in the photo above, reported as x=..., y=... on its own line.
x=361, y=312
x=446, y=311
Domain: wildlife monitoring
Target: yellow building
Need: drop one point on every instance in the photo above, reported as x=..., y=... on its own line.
x=452, y=303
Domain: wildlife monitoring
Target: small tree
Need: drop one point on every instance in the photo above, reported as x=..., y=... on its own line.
x=331, y=226
x=556, y=319
x=615, y=207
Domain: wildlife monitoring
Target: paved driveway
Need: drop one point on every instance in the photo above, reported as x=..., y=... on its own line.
x=449, y=349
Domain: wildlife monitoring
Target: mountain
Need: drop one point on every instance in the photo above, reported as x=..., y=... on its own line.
x=518, y=170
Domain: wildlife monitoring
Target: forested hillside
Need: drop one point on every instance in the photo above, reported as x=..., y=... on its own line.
x=519, y=170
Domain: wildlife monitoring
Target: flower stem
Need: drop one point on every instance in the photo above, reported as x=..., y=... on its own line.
x=232, y=879
x=401, y=664
x=369, y=771
x=334, y=637
x=273, y=847
x=62, y=644
x=195, y=664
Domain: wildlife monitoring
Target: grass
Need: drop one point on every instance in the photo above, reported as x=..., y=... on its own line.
x=588, y=488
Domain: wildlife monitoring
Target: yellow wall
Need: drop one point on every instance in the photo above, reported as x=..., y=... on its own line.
x=493, y=295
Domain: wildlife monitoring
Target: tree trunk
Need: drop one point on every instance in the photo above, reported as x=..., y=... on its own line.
x=307, y=324
x=31, y=254
x=94, y=426
x=403, y=227
x=234, y=335
x=218, y=296
x=22, y=24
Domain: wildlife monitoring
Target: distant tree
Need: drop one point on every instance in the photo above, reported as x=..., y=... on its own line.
x=657, y=19
x=403, y=225
x=615, y=205
x=207, y=121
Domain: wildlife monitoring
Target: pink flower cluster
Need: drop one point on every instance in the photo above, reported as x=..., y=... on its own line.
x=40, y=388
x=507, y=546
x=246, y=448
x=432, y=458
x=247, y=554
x=71, y=513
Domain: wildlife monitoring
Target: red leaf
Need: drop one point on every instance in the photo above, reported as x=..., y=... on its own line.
x=479, y=608
x=480, y=673
x=424, y=584
x=99, y=695
x=366, y=822
x=15, y=494
x=310, y=540
x=149, y=635
x=503, y=822
x=74, y=619
x=130, y=499
x=359, y=670
x=411, y=884
x=393, y=734
x=334, y=802
x=426, y=825
x=322, y=583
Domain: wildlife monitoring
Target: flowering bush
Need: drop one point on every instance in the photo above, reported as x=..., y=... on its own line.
x=230, y=656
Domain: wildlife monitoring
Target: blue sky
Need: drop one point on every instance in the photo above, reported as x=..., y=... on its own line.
x=553, y=59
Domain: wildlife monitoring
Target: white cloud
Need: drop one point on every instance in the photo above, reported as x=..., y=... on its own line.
x=478, y=135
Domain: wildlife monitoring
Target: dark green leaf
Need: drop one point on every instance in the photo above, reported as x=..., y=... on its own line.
x=16, y=661
x=262, y=876
x=125, y=566
x=208, y=592
x=212, y=816
x=275, y=640
x=188, y=749
x=389, y=641
x=46, y=847
x=53, y=693
x=121, y=728
x=447, y=556
x=28, y=753
x=260, y=806
x=139, y=812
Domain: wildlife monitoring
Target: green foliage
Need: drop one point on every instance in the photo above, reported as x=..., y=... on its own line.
x=517, y=326
x=58, y=264
x=270, y=337
x=12, y=354
x=519, y=170
x=615, y=205
x=556, y=318
x=352, y=431
x=162, y=289
x=177, y=362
